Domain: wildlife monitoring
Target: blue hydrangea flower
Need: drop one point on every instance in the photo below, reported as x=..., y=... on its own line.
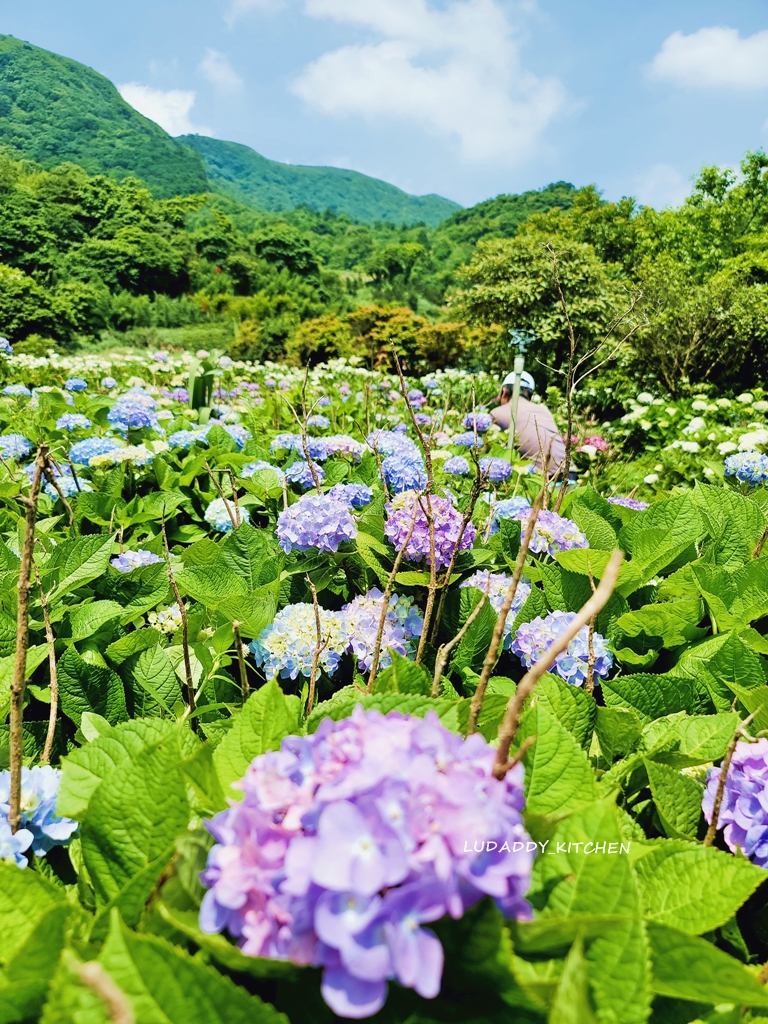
x=13, y=846
x=300, y=474
x=509, y=508
x=390, y=442
x=218, y=517
x=83, y=451
x=315, y=521
x=748, y=467
x=323, y=400
x=127, y=413
x=15, y=446
x=318, y=447
x=108, y=383
x=496, y=585
x=457, y=466
x=250, y=468
x=130, y=560
x=238, y=433
x=404, y=471
x=64, y=479
x=353, y=495
x=17, y=391
x=638, y=506
x=39, y=790
x=478, y=421
x=318, y=422
x=76, y=384
x=497, y=470
x=402, y=627
x=287, y=647
x=184, y=439
x=5, y=347
x=468, y=440
x=534, y=638
x=343, y=444
x=73, y=421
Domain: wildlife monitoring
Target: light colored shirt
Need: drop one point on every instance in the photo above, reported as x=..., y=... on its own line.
x=535, y=431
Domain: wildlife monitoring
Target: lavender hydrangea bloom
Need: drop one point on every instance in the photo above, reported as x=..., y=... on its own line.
x=349, y=841
x=130, y=560
x=108, y=383
x=73, y=421
x=353, y=495
x=748, y=467
x=632, y=503
x=457, y=466
x=532, y=640
x=390, y=442
x=744, y=810
x=343, y=444
x=13, y=846
x=82, y=452
x=447, y=525
x=553, y=533
x=479, y=421
x=250, y=468
x=39, y=790
x=15, y=446
x=219, y=518
x=76, y=384
x=287, y=646
x=402, y=626
x=315, y=521
x=318, y=422
x=404, y=471
x=468, y=440
x=496, y=585
x=497, y=470
x=299, y=473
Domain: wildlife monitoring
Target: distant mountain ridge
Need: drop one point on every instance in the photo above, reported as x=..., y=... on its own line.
x=252, y=179
x=54, y=110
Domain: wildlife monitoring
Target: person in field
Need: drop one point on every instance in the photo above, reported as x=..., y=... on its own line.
x=536, y=430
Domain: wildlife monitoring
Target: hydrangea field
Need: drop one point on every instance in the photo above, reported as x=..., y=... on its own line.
x=306, y=677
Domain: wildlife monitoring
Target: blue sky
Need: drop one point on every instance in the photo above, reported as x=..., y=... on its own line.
x=467, y=98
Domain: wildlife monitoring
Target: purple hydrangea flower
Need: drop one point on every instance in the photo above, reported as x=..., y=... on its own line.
x=318, y=446
x=67, y=484
x=128, y=413
x=343, y=444
x=422, y=419
x=349, y=841
x=533, y=639
x=447, y=525
x=315, y=521
x=496, y=585
x=76, y=384
x=108, y=383
x=402, y=626
x=299, y=473
x=553, y=533
x=632, y=503
x=478, y=421
x=353, y=495
x=497, y=470
x=82, y=452
x=73, y=421
x=323, y=400
x=39, y=790
x=404, y=471
x=748, y=467
x=457, y=466
x=744, y=810
x=287, y=646
x=468, y=440
x=130, y=560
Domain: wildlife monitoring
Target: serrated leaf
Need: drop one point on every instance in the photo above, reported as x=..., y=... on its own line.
x=133, y=817
x=266, y=718
x=89, y=618
x=688, y=740
x=570, y=705
x=155, y=677
x=618, y=730
x=149, y=587
x=254, y=555
x=674, y=622
x=88, y=559
x=687, y=967
x=651, y=696
x=473, y=647
x=210, y=585
x=572, y=1003
x=87, y=687
x=692, y=887
x=35, y=657
x=599, y=533
x=25, y=897
x=405, y=703
x=24, y=986
x=403, y=676
x=677, y=798
x=558, y=776
x=134, y=643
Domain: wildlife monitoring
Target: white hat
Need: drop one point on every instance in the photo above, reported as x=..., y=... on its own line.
x=526, y=380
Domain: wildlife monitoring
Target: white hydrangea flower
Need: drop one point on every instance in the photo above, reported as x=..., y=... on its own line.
x=699, y=405
x=652, y=478
x=723, y=403
x=644, y=398
x=751, y=440
x=690, y=446
x=761, y=406
x=696, y=424
x=747, y=398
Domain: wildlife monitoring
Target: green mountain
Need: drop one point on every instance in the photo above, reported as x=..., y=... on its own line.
x=252, y=179
x=54, y=110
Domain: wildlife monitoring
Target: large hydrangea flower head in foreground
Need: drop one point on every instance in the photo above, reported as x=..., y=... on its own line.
x=533, y=639
x=404, y=471
x=39, y=790
x=315, y=521
x=496, y=585
x=348, y=842
x=287, y=646
x=447, y=522
x=744, y=810
x=748, y=467
x=402, y=627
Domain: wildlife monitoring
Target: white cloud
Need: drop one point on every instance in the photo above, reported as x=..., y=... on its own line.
x=661, y=185
x=455, y=70
x=168, y=108
x=216, y=68
x=716, y=56
x=240, y=7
